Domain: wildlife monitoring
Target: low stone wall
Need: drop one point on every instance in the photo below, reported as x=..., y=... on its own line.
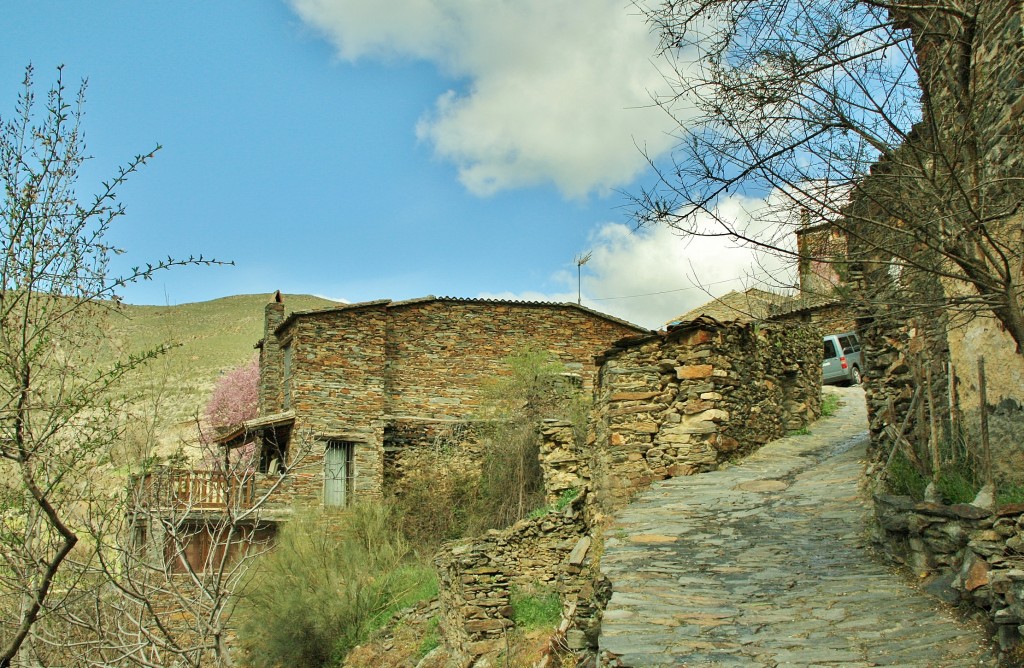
x=683, y=402
x=476, y=577
x=969, y=554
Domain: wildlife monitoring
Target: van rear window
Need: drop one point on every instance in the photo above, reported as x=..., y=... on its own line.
x=830, y=350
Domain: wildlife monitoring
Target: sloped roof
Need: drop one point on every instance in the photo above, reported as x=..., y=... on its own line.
x=237, y=434
x=747, y=306
x=389, y=304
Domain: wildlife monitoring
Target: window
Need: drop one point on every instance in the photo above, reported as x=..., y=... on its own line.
x=274, y=450
x=830, y=350
x=339, y=470
x=287, y=371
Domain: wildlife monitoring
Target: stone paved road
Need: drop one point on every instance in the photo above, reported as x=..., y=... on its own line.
x=766, y=564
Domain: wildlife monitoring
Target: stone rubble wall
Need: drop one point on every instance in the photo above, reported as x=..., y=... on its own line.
x=477, y=576
x=896, y=356
x=564, y=463
x=683, y=402
x=968, y=555
x=973, y=72
x=416, y=448
x=551, y=551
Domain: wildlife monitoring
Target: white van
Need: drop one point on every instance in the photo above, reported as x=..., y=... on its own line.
x=842, y=362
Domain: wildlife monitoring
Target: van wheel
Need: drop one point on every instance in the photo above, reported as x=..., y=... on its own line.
x=855, y=376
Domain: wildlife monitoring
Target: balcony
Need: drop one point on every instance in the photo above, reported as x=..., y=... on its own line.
x=198, y=490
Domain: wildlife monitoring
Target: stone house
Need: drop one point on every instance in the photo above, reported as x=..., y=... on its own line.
x=343, y=390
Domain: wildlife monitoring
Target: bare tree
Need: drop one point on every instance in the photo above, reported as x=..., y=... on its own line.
x=877, y=118
x=174, y=556
x=59, y=413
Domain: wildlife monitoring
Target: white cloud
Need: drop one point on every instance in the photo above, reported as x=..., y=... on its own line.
x=652, y=275
x=340, y=300
x=556, y=90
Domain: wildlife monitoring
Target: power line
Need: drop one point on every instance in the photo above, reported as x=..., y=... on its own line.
x=665, y=292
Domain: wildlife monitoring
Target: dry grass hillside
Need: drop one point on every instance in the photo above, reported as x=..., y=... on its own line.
x=209, y=338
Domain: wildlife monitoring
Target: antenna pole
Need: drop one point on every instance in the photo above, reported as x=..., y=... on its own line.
x=580, y=260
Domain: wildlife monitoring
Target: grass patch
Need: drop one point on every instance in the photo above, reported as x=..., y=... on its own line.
x=802, y=431
x=829, y=404
x=564, y=499
x=904, y=480
x=534, y=608
x=1008, y=493
x=431, y=639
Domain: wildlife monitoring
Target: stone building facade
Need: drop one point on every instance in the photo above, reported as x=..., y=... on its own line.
x=341, y=388
x=957, y=178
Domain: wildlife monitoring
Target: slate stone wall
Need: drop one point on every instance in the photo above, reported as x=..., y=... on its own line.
x=440, y=352
x=337, y=392
x=477, y=576
x=683, y=402
x=972, y=72
x=963, y=554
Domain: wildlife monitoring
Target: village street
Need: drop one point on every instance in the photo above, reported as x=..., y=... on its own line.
x=768, y=563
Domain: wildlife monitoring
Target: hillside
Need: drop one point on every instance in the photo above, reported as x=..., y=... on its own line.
x=209, y=338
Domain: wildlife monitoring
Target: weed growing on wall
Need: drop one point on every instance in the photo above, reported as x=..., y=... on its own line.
x=829, y=404
x=535, y=607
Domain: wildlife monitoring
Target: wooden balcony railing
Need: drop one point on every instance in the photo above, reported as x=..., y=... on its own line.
x=175, y=489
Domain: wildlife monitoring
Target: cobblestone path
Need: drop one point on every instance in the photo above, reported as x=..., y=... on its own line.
x=766, y=564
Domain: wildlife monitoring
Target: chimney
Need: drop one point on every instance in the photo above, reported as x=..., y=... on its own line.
x=272, y=359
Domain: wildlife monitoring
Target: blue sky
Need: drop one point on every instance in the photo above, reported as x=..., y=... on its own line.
x=362, y=150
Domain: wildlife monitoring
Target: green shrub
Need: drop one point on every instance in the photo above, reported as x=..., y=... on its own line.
x=958, y=484
x=434, y=497
x=904, y=479
x=829, y=404
x=561, y=503
x=511, y=481
x=534, y=608
x=1009, y=493
x=329, y=582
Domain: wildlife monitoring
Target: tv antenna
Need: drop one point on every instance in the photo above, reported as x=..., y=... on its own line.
x=581, y=260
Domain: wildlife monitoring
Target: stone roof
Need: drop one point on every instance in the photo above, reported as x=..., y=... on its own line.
x=804, y=304
x=387, y=303
x=753, y=304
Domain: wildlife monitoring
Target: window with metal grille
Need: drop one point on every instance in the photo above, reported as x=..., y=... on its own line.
x=339, y=470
